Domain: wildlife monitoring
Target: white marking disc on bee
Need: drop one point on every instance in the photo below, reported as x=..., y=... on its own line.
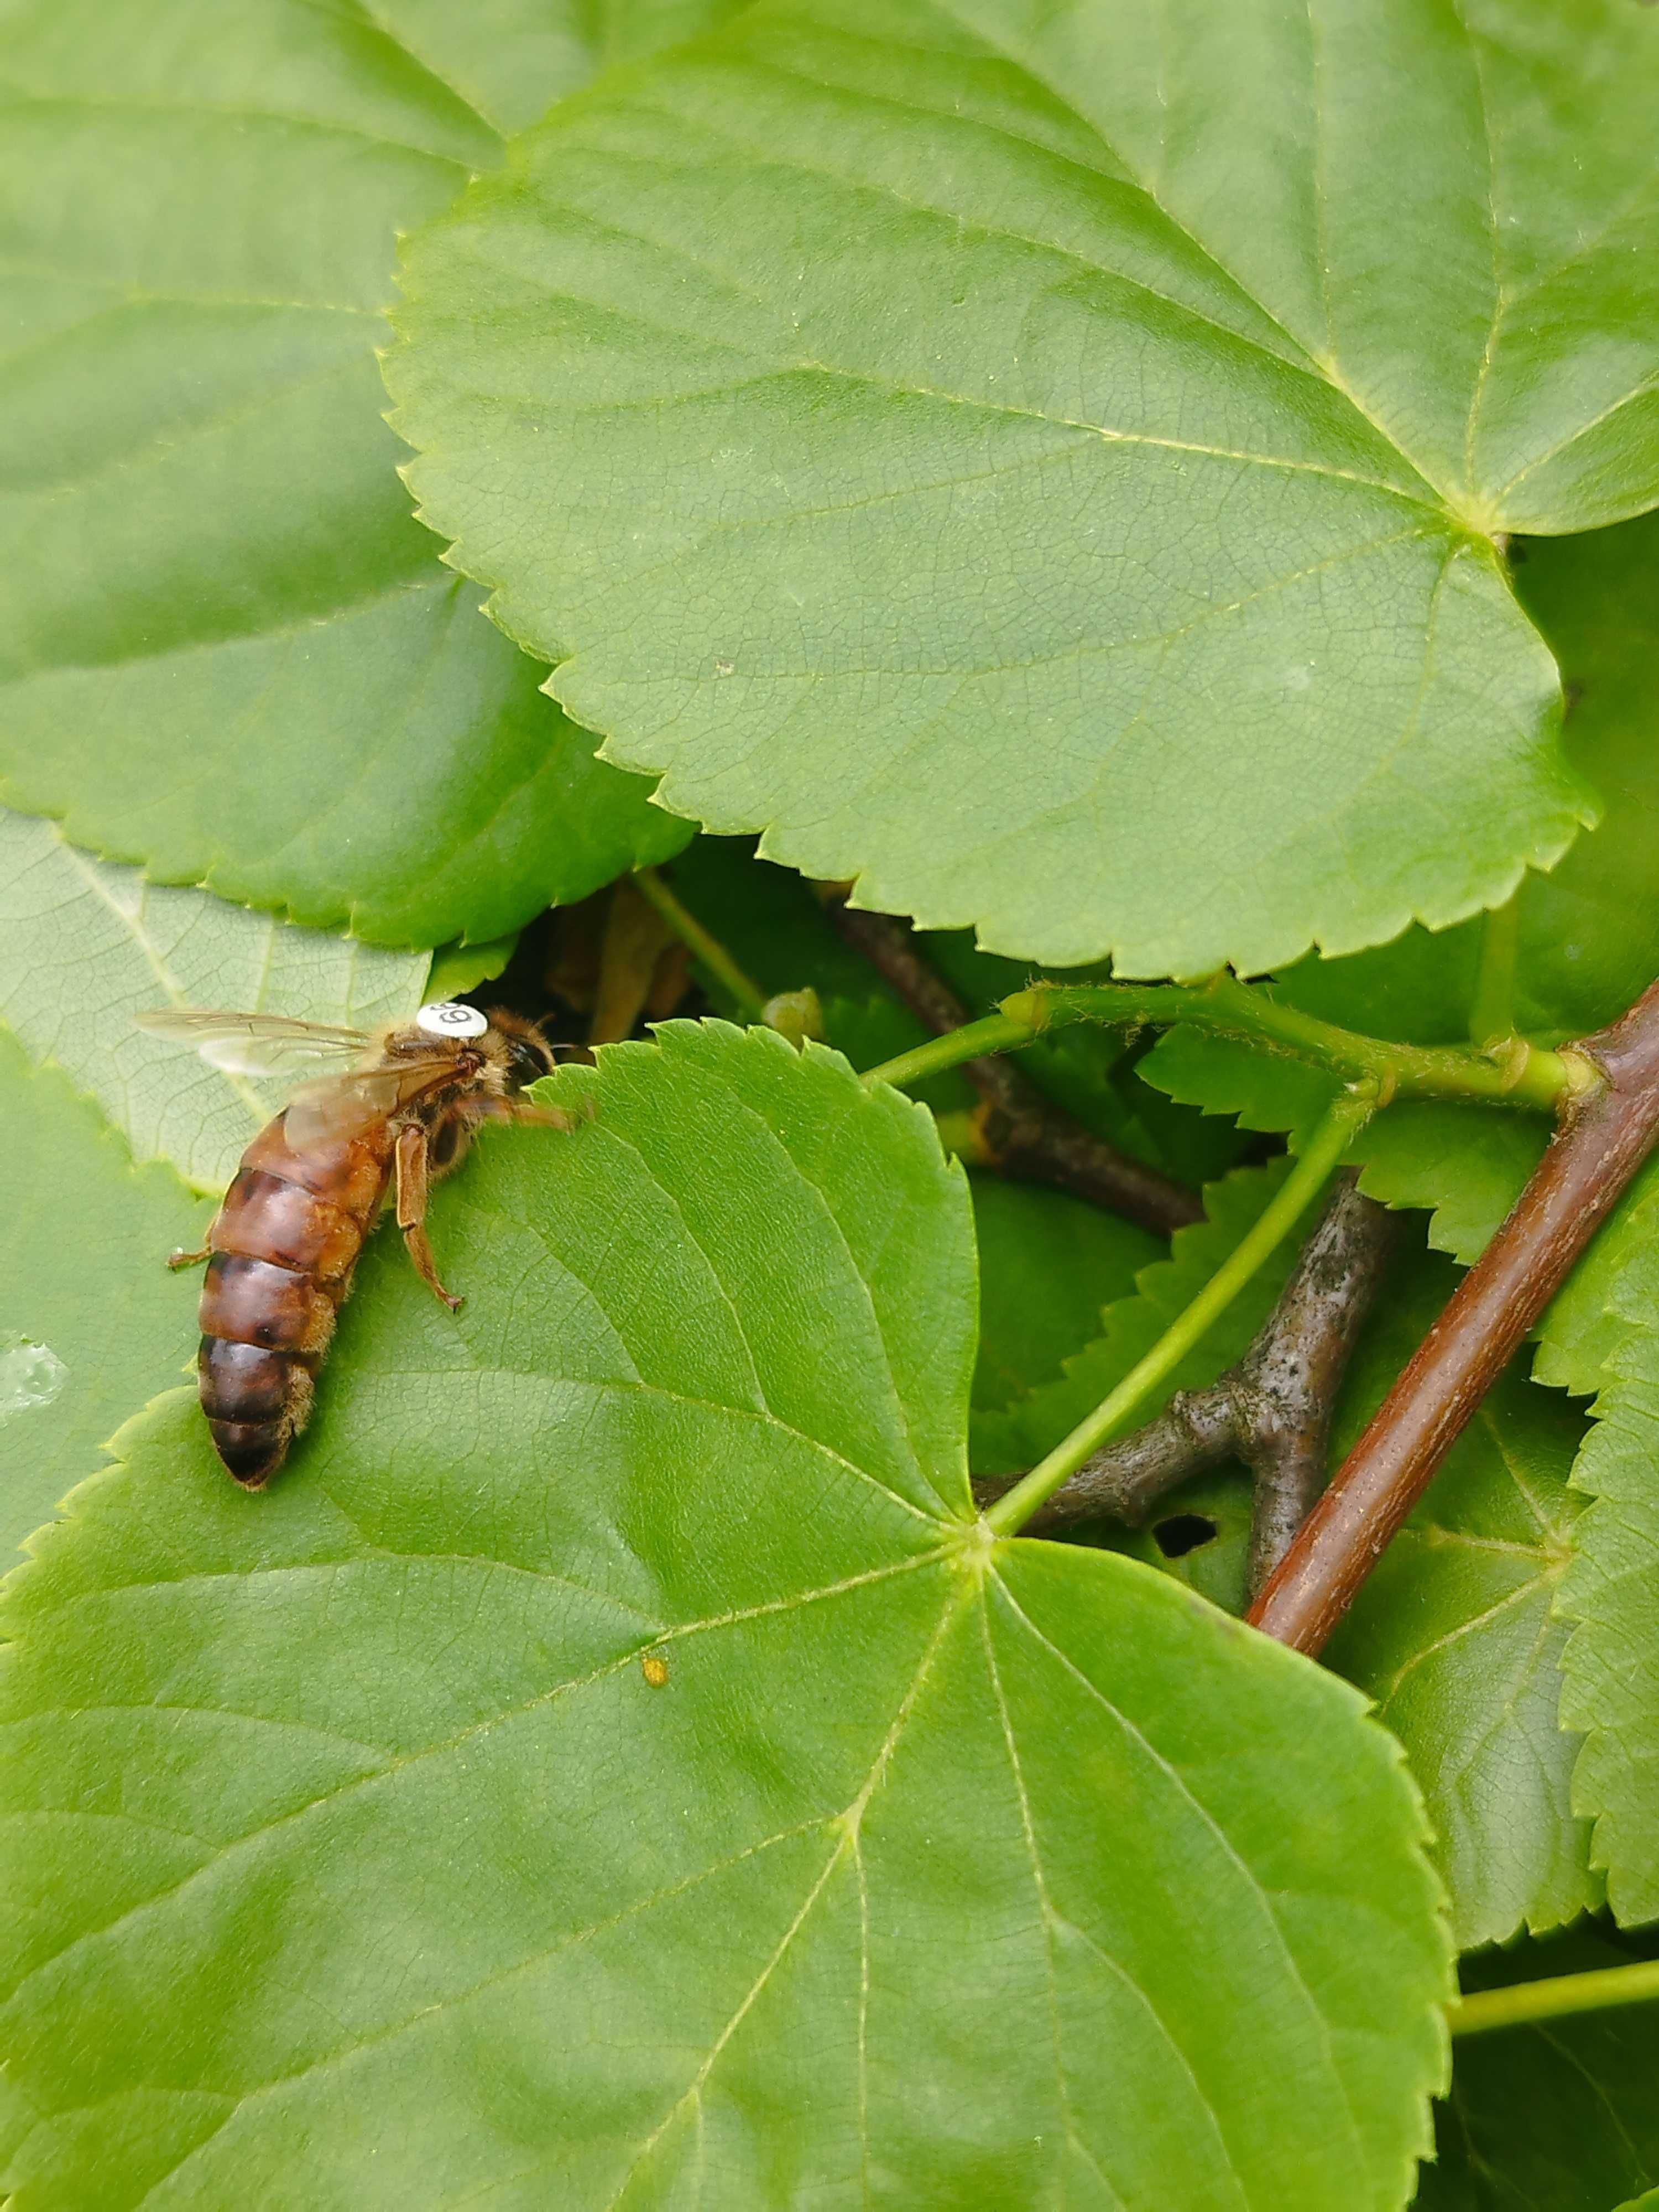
x=449, y=1017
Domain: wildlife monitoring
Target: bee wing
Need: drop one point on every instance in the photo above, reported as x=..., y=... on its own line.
x=343, y=1105
x=255, y=1044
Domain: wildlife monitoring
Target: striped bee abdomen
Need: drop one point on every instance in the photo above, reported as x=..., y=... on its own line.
x=283, y=1246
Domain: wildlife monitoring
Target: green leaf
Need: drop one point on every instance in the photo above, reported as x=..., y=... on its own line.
x=1046, y=1265
x=1590, y=931
x=1611, y=1663
x=1200, y=1537
x=356, y=1824
x=84, y=947
x=510, y=62
x=91, y=1324
x=1020, y=1435
x=1559, y=2118
x=1587, y=1321
x=228, y=651
x=1587, y=937
x=777, y=930
x=458, y=968
x=1452, y=1635
x=983, y=447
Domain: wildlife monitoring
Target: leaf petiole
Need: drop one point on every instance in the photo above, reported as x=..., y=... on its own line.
x=1492, y=1014
x=703, y=947
x=1523, y=2002
x=998, y=1032
x=1515, y=1074
x=1324, y=1149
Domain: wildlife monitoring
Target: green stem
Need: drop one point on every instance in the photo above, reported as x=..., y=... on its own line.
x=996, y=1033
x=1514, y=1074
x=706, y=950
x=1492, y=1016
x=1525, y=2001
x=1329, y=1140
x=1519, y=1075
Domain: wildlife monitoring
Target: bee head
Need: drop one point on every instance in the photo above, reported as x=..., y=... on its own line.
x=528, y=1056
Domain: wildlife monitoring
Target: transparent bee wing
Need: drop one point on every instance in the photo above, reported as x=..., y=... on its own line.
x=255, y=1044
x=338, y=1106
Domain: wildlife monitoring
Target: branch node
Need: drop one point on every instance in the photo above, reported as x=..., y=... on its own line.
x=1584, y=1077
x=1033, y=1006
x=1271, y=1408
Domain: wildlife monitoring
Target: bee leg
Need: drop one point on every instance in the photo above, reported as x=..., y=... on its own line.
x=411, y=1208
x=480, y=1111
x=180, y=1258
x=538, y=1117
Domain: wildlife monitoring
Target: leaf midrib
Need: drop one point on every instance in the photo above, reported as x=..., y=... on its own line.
x=957, y=1593
x=327, y=126
x=1325, y=365
x=394, y=1767
x=1251, y=1880
x=896, y=1409
x=1429, y=497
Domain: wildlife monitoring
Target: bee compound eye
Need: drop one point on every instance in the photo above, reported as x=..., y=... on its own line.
x=448, y=1018
x=527, y=1062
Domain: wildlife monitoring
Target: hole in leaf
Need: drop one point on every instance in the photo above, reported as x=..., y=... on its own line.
x=1182, y=1533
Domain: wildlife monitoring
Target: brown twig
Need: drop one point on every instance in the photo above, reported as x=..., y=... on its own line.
x=1023, y=1133
x=1271, y=1408
x=1291, y=1374
x=1606, y=1133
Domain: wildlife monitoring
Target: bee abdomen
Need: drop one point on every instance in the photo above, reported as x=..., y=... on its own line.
x=256, y=1401
x=284, y=1244
x=264, y=1330
x=257, y=1302
x=271, y=1217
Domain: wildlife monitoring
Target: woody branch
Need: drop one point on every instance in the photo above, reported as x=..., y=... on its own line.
x=1606, y=1133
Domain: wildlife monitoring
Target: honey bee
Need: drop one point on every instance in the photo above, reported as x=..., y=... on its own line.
x=281, y=1250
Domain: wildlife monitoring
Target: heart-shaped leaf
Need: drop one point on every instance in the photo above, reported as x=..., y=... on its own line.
x=227, y=650
x=984, y=446
x=85, y=945
x=614, y=1764
x=91, y=1324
